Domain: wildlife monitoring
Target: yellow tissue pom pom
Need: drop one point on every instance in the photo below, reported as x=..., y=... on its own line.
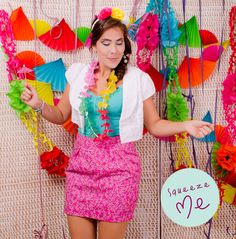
x=117, y=14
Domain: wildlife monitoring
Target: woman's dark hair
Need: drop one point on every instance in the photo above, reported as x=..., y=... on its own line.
x=99, y=28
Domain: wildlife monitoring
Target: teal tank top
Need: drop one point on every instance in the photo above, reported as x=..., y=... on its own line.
x=93, y=122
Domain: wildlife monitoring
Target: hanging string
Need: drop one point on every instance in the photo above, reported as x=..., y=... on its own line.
x=222, y=34
x=133, y=13
x=188, y=58
x=201, y=59
x=93, y=9
x=43, y=233
x=56, y=20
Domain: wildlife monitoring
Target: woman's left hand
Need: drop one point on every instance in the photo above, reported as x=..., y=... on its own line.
x=197, y=128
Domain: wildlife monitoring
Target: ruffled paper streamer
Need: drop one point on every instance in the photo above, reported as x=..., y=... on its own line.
x=147, y=39
x=9, y=46
x=14, y=93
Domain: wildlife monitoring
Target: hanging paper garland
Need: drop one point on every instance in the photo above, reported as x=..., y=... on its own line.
x=229, y=84
x=41, y=26
x=61, y=38
x=24, y=112
x=147, y=39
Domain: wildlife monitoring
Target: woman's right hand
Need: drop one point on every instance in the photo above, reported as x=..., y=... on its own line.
x=30, y=97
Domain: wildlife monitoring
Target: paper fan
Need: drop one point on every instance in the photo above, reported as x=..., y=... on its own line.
x=53, y=73
x=30, y=59
x=44, y=91
x=21, y=27
x=210, y=137
x=41, y=27
x=195, y=71
x=157, y=78
x=192, y=32
x=212, y=53
x=82, y=33
x=61, y=38
x=207, y=37
x=70, y=127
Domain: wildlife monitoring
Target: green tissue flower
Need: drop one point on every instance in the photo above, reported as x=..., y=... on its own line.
x=16, y=88
x=177, y=109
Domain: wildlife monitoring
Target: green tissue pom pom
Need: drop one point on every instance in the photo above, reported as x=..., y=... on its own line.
x=15, y=91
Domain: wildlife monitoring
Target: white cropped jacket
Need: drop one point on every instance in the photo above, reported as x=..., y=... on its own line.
x=137, y=86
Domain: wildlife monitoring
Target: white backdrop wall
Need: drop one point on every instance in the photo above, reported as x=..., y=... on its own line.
x=20, y=212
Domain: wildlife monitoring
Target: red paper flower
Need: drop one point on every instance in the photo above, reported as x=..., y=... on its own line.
x=54, y=161
x=226, y=157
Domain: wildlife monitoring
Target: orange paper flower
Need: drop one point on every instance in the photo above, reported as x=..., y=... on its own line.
x=226, y=157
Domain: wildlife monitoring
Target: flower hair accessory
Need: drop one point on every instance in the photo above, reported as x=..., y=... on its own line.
x=115, y=13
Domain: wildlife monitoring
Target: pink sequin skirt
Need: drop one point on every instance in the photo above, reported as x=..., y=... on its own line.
x=102, y=180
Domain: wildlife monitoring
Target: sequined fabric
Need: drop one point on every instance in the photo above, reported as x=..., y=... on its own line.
x=102, y=179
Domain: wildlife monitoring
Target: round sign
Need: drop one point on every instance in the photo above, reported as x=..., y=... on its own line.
x=190, y=197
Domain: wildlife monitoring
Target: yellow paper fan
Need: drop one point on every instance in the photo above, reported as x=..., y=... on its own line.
x=41, y=26
x=44, y=91
x=229, y=193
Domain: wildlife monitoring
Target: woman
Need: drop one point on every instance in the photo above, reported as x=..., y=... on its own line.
x=110, y=101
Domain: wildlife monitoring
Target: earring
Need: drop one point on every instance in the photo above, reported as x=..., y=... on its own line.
x=125, y=59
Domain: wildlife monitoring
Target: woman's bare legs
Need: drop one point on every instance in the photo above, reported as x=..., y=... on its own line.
x=82, y=228
x=112, y=230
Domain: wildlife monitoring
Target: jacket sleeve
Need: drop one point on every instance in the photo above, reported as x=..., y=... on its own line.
x=147, y=86
x=72, y=72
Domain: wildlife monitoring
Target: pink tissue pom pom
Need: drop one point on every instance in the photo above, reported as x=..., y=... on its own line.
x=105, y=13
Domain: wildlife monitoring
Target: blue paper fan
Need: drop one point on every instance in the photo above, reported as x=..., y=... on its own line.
x=53, y=73
x=210, y=137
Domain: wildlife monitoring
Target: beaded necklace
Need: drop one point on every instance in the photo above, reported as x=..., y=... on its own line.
x=90, y=83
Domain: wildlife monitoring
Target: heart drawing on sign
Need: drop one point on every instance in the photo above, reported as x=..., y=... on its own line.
x=182, y=205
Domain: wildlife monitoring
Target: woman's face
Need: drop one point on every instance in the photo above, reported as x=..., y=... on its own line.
x=110, y=47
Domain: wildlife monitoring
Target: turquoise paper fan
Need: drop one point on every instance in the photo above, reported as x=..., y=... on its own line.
x=53, y=73
x=210, y=137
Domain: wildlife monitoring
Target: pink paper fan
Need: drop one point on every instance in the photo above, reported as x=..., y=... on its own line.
x=61, y=38
x=212, y=53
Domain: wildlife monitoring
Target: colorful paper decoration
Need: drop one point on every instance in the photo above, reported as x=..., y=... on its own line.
x=61, y=38
x=21, y=26
x=54, y=161
x=207, y=37
x=30, y=59
x=16, y=88
x=212, y=53
x=192, y=33
x=53, y=73
x=41, y=26
x=210, y=137
x=157, y=78
x=147, y=39
x=195, y=71
x=70, y=127
x=82, y=33
x=44, y=91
